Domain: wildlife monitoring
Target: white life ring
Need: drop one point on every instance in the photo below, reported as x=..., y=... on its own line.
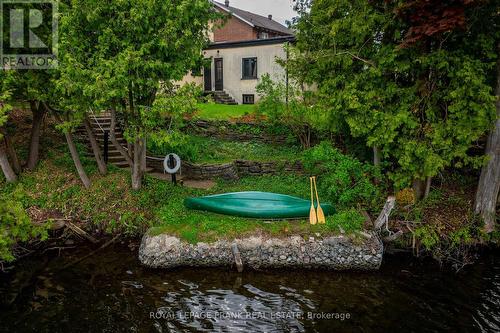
x=177, y=166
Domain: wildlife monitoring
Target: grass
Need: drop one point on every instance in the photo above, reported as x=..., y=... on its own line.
x=210, y=111
x=53, y=191
x=200, y=226
x=198, y=149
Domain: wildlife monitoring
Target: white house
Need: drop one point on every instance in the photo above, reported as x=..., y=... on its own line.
x=244, y=49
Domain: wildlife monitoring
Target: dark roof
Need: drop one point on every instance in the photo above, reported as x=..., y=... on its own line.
x=257, y=20
x=253, y=42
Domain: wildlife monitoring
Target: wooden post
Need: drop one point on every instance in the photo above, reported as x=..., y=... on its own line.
x=237, y=257
x=383, y=218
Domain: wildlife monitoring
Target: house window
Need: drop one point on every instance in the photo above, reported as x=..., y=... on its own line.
x=249, y=68
x=263, y=35
x=248, y=99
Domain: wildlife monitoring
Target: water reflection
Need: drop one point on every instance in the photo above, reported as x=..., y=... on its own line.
x=113, y=293
x=249, y=308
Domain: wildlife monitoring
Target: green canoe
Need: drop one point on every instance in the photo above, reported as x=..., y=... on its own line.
x=261, y=205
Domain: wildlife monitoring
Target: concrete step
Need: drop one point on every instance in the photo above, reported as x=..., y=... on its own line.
x=222, y=97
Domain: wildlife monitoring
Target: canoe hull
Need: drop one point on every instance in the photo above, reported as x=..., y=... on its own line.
x=259, y=205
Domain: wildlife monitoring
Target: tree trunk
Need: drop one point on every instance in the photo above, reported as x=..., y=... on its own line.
x=11, y=153
x=76, y=159
x=137, y=172
x=144, y=157
x=112, y=137
x=95, y=147
x=428, y=183
x=38, y=111
x=419, y=189
x=489, y=182
x=376, y=156
x=10, y=175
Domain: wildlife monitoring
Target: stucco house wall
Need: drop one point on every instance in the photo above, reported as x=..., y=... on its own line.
x=233, y=57
x=189, y=78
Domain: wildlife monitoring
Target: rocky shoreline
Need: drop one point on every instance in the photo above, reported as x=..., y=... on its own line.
x=336, y=253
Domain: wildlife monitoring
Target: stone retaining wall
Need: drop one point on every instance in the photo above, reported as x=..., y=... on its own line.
x=236, y=131
x=234, y=170
x=337, y=253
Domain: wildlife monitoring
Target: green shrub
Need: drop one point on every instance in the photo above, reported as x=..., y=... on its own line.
x=463, y=236
x=15, y=225
x=196, y=149
x=180, y=144
x=288, y=106
x=428, y=236
x=345, y=180
x=349, y=220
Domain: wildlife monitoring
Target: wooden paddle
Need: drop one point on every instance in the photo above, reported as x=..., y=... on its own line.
x=321, y=214
x=312, y=213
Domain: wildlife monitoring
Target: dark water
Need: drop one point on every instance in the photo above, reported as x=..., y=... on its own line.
x=111, y=292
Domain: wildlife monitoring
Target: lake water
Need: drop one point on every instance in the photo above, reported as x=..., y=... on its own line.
x=112, y=292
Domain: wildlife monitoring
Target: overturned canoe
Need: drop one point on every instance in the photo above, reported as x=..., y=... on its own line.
x=261, y=205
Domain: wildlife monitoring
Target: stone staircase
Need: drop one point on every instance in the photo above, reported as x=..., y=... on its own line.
x=222, y=97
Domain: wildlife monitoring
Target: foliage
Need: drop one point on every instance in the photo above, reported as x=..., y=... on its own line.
x=423, y=105
x=428, y=236
x=124, y=56
x=15, y=224
x=443, y=224
x=349, y=220
x=289, y=105
x=197, y=149
x=345, y=180
x=109, y=206
x=29, y=84
x=5, y=108
x=119, y=52
x=162, y=123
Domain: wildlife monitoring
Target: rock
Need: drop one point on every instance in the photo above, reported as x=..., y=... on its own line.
x=256, y=252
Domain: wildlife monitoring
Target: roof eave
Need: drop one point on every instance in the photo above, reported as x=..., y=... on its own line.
x=253, y=42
